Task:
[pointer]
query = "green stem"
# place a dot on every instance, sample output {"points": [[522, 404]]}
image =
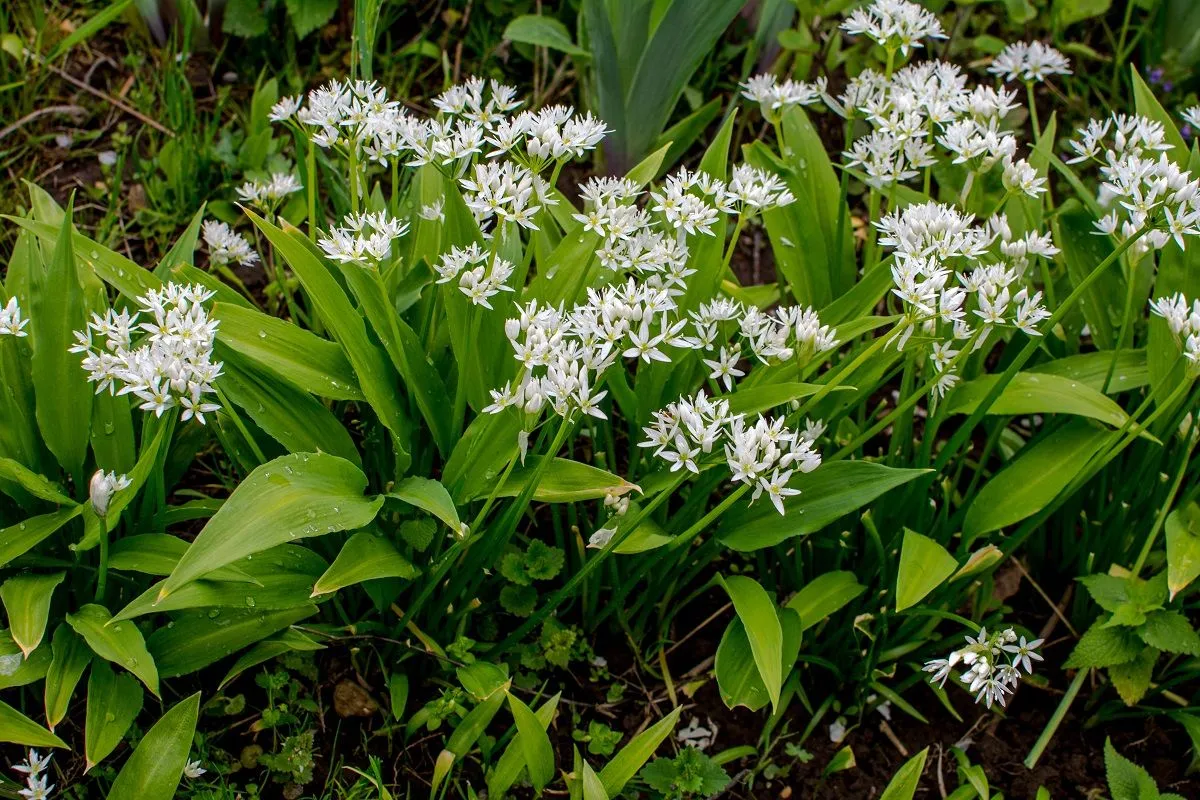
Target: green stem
{"points": [[1051, 728], [310, 162], [1126, 322], [1033, 115], [1165, 509]]}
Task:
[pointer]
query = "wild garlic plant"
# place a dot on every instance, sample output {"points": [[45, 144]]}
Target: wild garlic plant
{"points": [[990, 664]]}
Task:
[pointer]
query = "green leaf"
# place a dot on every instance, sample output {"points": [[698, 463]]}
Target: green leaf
{"points": [[593, 787], [542, 31], [757, 612], [1183, 547], [18, 671], [467, 733], [199, 638], [292, 497], [757, 399], [535, 744], [376, 378], [827, 493], [364, 557], [429, 496], [113, 703], [903, 785], [70, 657], [16, 539], [1104, 647], [90, 28], [924, 564], [295, 419], [26, 600], [1132, 679], [244, 18], [290, 640], [64, 397], [1091, 370], [1147, 104], [16, 728], [158, 554], [154, 770], [300, 357], [824, 595], [1170, 631], [1082, 250], [1033, 393], [564, 481], [120, 643], [1126, 780], [281, 577], [629, 760], [738, 678], [308, 15], [513, 760], [33, 483], [1034, 479]]}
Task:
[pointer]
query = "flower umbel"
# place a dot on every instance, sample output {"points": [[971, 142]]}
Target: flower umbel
{"points": [[990, 664]]}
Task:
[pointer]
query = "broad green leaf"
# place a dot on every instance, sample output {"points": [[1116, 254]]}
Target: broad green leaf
{"points": [[364, 557], [154, 770], [564, 481], [757, 399], [158, 554], [512, 762], [70, 657], [1034, 393], [1102, 302], [429, 496], [1171, 632], [1039, 472], [308, 15], [113, 703], [282, 577], [294, 418], [376, 378], [542, 31], [198, 638], [293, 497], [757, 612], [625, 764], [466, 733], [120, 642], [1132, 679], [903, 785], [824, 595], [16, 728], [738, 678], [290, 640], [33, 483], [829, 492], [482, 453], [18, 670], [1147, 105], [924, 564], [1091, 370], [1126, 780], [535, 744], [26, 600], [1183, 547], [593, 787], [64, 397], [683, 134], [298, 356]]}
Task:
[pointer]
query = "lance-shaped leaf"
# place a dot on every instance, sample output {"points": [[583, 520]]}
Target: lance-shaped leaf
{"points": [[564, 481], [631, 757], [429, 496], [535, 744], [364, 557], [764, 631], [16, 728], [292, 497], [1034, 393], [70, 657], [199, 638], [120, 642], [1183, 547], [16, 539], [113, 702], [154, 770], [27, 603], [30, 481], [924, 564]]}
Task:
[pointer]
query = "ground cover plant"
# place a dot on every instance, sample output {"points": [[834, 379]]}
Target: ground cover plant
{"points": [[448, 434]]}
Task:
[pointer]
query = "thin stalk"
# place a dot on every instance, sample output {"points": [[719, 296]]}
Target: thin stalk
{"points": [[1126, 323], [310, 163], [1167, 504], [1033, 115], [1060, 713]]}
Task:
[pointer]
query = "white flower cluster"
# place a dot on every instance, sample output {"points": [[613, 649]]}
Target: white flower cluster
{"points": [[37, 785], [1191, 115], [171, 365], [929, 104], [1141, 186], [895, 24], [1029, 62], [480, 274], [762, 454], [11, 321], [775, 97], [991, 664], [363, 238], [1184, 321], [226, 246], [506, 192], [102, 487], [269, 193], [358, 116], [942, 259]]}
